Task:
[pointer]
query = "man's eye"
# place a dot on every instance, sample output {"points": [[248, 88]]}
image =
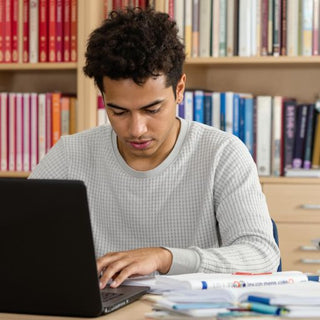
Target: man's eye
{"points": [[118, 113], [153, 111]]}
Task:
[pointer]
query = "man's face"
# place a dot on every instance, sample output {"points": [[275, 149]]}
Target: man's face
{"points": [[144, 119]]}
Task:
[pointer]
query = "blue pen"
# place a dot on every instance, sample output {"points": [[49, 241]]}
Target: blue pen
{"points": [[266, 309]]}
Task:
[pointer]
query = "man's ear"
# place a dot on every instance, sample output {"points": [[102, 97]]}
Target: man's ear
{"points": [[181, 85]]}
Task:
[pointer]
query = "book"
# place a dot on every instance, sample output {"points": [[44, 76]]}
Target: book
{"points": [[34, 31], [42, 110], [198, 109], [66, 31], [309, 137], [263, 136], [300, 136], [4, 131], [34, 130], [188, 27], [12, 131], [25, 31], [43, 31], [303, 173], [52, 30], [316, 143], [19, 132], [59, 30], [289, 128], [300, 293], [293, 26], [56, 117], [14, 31], [204, 28], [195, 29], [7, 43], [206, 281], [26, 132], [188, 105]]}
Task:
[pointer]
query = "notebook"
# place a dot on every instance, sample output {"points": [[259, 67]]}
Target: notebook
{"points": [[48, 263]]}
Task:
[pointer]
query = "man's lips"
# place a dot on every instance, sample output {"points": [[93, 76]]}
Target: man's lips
{"points": [[140, 145]]}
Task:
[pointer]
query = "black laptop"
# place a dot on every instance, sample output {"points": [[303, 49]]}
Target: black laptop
{"points": [[47, 263]]}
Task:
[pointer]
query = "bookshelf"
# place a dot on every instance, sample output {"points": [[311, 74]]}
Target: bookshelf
{"points": [[268, 75]]}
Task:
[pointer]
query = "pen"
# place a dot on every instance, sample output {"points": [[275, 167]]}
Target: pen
{"points": [[266, 309]]}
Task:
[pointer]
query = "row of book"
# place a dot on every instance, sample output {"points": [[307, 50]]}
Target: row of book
{"points": [[279, 132], [38, 31], [30, 124], [220, 28]]}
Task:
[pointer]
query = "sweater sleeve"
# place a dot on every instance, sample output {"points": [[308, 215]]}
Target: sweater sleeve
{"points": [[244, 223], [54, 164]]}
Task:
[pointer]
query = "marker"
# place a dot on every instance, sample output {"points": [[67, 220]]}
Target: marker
{"points": [[266, 309]]}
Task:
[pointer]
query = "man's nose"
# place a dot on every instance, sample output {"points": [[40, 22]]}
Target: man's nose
{"points": [[138, 125]]}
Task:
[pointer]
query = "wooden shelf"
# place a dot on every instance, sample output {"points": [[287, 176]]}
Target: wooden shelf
{"points": [[38, 66], [303, 60], [289, 180], [14, 174]]}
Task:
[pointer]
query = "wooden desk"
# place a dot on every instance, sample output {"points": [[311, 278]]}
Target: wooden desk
{"points": [[133, 311]]}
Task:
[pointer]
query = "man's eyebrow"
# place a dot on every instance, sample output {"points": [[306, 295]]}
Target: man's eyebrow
{"points": [[112, 105]]}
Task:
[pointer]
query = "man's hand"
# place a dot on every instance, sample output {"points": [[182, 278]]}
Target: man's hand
{"points": [[119, 266]]}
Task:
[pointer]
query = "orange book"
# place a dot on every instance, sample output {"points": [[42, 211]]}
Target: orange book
{"points": [[73, 115], [56, 117]]}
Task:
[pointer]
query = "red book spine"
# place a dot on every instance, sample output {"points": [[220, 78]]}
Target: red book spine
{"points": [[43, 30], [8, 31], [116, 4], [66, 31], [59, 31], [25, 36], [74, 31], [52, 31], [264, 28], [15, 13], [284, 28], [2, 3], [171, 8]]}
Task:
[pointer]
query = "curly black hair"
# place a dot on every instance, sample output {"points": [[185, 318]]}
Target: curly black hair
{"points": [[135, 44]]}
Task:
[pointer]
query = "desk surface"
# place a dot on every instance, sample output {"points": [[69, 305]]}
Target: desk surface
{"points": [[133, 311]]}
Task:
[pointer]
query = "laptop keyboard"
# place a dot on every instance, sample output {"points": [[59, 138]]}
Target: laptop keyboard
{"points": [[106, 296]]}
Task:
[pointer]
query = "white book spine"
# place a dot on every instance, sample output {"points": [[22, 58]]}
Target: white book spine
{"points": [[245, 15], [19, 132], [229, 112], [12, 132], [253, 24], [34, 129], [188, 105], [264, 116], [34, 31], [3, 128], [102, 116], [41, 125], [26, 132], [307, 10], [315, 28], [292, 25], [179, 17], [276, 135], [216, 109], [204, 28]]}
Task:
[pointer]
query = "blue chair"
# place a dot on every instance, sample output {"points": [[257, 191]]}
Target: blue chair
{"points": [[276, 238]]}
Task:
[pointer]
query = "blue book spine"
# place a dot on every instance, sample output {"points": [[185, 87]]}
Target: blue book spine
{"points": [[208, 108], [309, 137], [223, 111], [248, 124], [236, 117], [199, 106], [181, 109], [241, 118]]}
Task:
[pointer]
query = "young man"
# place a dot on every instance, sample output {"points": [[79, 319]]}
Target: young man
{"points": [[165, 194]]}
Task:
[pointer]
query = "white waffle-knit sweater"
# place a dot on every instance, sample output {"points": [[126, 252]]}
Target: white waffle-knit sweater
{"points": [[203, 202]]}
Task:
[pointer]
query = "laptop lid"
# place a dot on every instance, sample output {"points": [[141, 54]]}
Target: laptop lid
{"points": [[48, 263]]}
